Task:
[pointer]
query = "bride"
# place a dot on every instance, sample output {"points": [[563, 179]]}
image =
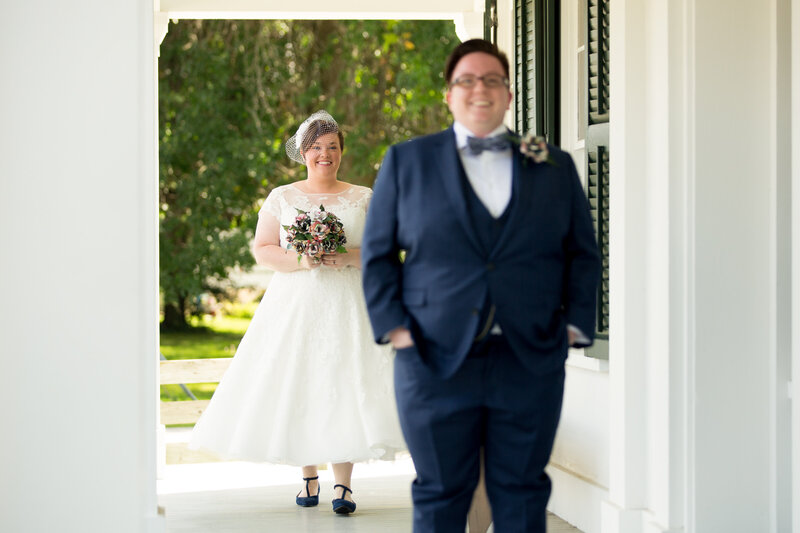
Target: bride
{"points": [[308, 385]]}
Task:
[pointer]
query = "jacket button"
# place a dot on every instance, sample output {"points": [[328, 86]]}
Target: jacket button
{"points": [[490, 266], [475, 312]]}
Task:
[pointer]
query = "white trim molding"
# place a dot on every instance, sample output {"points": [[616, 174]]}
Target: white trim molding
{"points": [[794, 385]]}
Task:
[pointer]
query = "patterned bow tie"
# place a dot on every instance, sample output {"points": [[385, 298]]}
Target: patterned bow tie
{"points": [[497, 143]]}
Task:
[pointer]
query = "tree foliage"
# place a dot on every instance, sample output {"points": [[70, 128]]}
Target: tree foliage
{"points": [[232, 92]]}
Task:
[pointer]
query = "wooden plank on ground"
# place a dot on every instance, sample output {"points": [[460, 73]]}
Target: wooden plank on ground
{"points": [[182, 412], [179, 453], [194, 370], [479, 517]]}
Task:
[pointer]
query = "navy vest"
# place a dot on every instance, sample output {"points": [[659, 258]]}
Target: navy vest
{"points": [[488, 230]]}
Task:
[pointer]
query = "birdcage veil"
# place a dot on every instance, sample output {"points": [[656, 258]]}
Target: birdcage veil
{"points": [[318, 124]]}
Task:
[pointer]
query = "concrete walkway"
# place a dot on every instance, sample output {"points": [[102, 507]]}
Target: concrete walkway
{"points": [[239, 497]]}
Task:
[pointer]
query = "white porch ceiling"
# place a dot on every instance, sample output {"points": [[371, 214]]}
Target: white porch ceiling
{"points": [[319, 9]]}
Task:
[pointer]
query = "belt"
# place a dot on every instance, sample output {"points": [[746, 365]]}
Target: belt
{"points": [[487, 327], [487, 345]]}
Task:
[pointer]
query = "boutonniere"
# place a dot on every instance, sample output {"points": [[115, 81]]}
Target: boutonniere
{"points": [[534, 147]]}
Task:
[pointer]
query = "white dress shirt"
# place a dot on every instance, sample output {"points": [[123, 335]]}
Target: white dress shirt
{"points": [[489, 173]]}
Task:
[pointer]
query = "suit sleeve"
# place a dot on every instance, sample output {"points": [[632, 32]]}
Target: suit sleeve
{"points": [[582, 262], [381, 267]]}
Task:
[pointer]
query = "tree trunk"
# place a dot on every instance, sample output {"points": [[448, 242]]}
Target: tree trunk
{"points": [[174, 317]]}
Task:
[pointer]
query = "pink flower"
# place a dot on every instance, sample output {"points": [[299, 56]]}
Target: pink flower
{"points": [[318, 229], [314, 249]]}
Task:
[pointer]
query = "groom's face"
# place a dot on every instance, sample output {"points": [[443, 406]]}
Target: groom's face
{"points": [[480, 108]]}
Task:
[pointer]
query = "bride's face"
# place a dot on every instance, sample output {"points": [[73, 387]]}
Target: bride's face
{"points": [[324, 155]]}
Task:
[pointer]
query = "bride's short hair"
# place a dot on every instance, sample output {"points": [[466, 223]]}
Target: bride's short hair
{"points": [[317, 129], [315, 126]]}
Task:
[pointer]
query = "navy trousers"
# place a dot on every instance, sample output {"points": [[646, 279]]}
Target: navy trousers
{"points": [[493, 402]]}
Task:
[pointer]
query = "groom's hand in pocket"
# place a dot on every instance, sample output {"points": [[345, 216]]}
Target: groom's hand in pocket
{"points": [[400, 338]]}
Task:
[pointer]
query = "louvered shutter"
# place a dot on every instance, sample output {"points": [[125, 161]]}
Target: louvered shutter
{"points": [[598, 61], [597, 157], [525, 74], [537, 68]]}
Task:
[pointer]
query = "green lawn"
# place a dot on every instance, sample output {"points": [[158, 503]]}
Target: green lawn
{"points": [[211, 337]]}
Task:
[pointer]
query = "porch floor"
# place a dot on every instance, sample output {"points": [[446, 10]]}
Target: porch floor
{"points": [[245, 497]]}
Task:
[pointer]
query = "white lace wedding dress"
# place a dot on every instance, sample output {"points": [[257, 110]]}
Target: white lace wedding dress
{"points": [[307, 385]]}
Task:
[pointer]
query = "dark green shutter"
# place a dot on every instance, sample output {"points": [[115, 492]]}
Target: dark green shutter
{"points": [[525, 74], [597, 156], [598, 60], [537, 88], [597, 184]]}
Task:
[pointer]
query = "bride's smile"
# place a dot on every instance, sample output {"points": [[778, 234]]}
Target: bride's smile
{"points": [[324, 155]]}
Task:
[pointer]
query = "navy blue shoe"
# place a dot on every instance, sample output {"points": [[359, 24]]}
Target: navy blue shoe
{"points": [[308, 501], [342, 506]]}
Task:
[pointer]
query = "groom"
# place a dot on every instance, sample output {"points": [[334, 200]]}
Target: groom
{"points": [[499, 277]]}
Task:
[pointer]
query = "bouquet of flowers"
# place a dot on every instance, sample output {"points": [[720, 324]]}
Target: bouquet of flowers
{"points": [[315, 233]]}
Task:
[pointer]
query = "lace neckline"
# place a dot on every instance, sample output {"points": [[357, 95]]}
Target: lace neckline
{"points": [[349, 188]]}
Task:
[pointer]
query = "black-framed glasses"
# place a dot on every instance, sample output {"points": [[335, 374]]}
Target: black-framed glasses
{"points": [[490, 81]]}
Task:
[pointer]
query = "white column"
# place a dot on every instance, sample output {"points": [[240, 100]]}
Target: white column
{"points": [[160, 29], [78, 237], [734, 365], [153, 457], [695, 375], [676, 490], [628, 283]]}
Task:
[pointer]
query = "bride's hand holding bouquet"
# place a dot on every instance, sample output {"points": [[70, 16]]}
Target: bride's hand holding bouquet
{"points": [[318, 238]]}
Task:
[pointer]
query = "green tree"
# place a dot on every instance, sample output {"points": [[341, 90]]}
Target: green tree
{"points": [[232, 92]]}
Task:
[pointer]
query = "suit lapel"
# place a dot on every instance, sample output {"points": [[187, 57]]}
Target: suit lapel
{"points": [[452, 173]]}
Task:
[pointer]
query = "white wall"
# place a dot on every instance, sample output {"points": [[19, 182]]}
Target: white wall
{"points": [[579, 466], [795, 260], [78, 272], [781, 373]]}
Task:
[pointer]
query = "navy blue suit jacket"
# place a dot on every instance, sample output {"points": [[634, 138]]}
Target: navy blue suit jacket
{"points": [[542, 273]]}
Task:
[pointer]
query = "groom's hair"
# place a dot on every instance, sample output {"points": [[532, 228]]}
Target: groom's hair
{"points": [[468, 47]]}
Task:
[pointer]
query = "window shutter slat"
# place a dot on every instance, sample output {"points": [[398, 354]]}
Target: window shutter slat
{"points": [[598, 194], [598, 44], [597, 157], [536, 67]]}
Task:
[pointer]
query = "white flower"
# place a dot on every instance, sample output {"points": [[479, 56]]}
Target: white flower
{"points": [[534, 147]]}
